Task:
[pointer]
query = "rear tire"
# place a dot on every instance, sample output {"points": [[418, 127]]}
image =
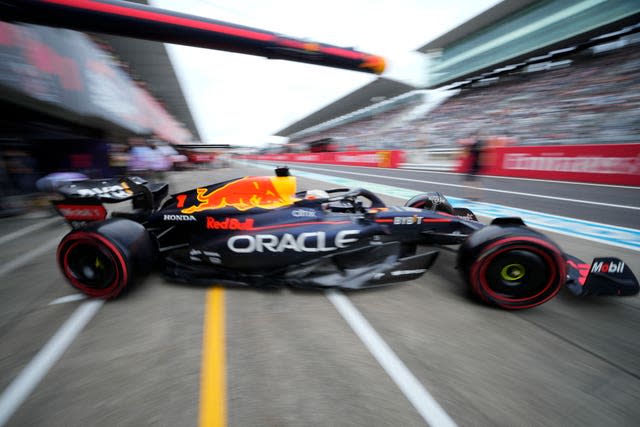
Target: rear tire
{"points": [[104, 258], [512, 267]]}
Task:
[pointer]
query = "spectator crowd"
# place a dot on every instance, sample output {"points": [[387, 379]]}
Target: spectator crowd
{"points": [[593, 96]]}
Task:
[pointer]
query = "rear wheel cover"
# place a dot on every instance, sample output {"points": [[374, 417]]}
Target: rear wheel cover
{"points": [[93, 264]]}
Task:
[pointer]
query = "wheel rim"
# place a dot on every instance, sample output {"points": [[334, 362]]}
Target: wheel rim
{"points": [[513, 272], [92, 265], [517, 274]]}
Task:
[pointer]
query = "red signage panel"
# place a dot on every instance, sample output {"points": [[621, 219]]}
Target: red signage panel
{"points": [[377, 159], [617, 164]]}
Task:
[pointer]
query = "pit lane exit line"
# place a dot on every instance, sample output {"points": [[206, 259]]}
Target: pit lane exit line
{"points": [[612, 235], [213, 406]]}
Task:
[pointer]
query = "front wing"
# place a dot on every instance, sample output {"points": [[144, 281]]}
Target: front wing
{"points": [[603, 277]]}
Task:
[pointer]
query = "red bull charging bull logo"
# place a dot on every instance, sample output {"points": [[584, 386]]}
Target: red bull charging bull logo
{"points": [[246, 193]]}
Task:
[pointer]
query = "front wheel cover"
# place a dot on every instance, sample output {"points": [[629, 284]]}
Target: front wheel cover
{"points": [[93, 264], [517, 272]]}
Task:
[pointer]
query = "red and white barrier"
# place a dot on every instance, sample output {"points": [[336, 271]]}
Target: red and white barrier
{"points": [[379, 158]]}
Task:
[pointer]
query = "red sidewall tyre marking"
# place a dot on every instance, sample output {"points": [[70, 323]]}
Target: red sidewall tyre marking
{"points": [[552, 256], [485, 265], [112, 252]]}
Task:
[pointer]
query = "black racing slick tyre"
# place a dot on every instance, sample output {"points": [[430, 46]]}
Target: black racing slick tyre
{"points": [[512, 267], [104, 258], [433, 201]]}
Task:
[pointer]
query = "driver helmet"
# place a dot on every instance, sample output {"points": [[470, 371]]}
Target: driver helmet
{"points": [[316, 194]]}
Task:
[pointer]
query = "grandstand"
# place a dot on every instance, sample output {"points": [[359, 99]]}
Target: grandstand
{"points": [[579, 87]]}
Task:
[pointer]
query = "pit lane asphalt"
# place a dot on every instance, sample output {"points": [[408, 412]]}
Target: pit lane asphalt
{"points": [[291, 359]]}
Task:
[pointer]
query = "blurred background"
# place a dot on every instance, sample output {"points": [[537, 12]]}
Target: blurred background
{"points": [[521, 73], [550, 87]]}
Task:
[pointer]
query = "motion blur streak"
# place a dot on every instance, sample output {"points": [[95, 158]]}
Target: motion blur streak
{"points": [[116, 17], [35, 371], [415, 392], [29, 256], [68, 298], [212, 376], [26, 230]]}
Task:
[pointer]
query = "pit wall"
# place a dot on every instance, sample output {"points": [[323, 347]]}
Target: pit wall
{"points": [[379, 158], [617, 164]]}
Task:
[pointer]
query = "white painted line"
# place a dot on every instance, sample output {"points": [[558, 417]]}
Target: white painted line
{"points": [[413, 390], [68, 298], [540, 196], [18, 391], [26, 230], [552, 181], [27, 257]]}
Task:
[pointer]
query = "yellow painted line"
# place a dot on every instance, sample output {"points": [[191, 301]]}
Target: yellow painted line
{"points": [[212, 374]]}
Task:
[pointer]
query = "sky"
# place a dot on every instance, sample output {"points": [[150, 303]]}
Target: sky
{"points": [[244, 100]]}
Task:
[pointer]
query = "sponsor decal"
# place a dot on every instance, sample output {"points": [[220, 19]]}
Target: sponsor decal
{"points": [[607, 267], [578, 164], [181, 199], [201, 256], [308, 213], [169, 217], [357, 158], [82, 212], [115, 191], [308, 158], [229, 224], [468, 216], [246, 193], [303, 242], [384, 159], [407, 220]]}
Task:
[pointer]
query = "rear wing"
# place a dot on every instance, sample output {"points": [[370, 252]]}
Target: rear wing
{"points": [[112, 190], [83, 200], [604, 276]]}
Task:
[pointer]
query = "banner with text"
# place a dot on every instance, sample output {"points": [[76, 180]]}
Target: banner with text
{"points": [[617, 164], [378, 159]]}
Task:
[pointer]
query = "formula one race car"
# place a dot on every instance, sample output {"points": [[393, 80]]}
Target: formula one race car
{"points": [[259, 231]]}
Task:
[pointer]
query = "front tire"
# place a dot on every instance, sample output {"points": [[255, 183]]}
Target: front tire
{"points": [[512, 267], [432, 201]]}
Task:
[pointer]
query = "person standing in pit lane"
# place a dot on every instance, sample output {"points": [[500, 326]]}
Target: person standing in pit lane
{"points": [[475, 151]]}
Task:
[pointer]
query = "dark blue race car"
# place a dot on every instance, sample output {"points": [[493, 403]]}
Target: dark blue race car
{"points": [[261, 231]]}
